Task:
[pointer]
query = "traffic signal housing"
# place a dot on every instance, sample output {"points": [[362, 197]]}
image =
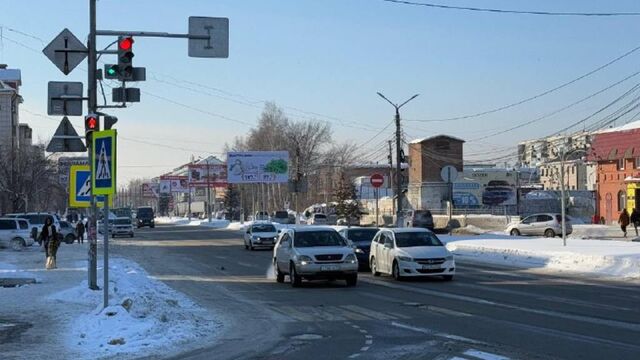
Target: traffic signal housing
{"points": [[91, 124], [124, 68]]}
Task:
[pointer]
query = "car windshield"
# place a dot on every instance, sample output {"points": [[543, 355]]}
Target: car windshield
{"points": [[361, 234], [263, 228], [318, 238], [281, 214], [410, 239], [123, 222], [423, 215], [37, 218], [145, 212], [320, 216]]}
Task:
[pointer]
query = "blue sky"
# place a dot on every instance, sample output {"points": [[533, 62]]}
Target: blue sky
{"points": [[330, 57]]}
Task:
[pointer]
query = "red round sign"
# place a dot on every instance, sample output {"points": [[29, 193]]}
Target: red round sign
{"points": [[377, 180]]}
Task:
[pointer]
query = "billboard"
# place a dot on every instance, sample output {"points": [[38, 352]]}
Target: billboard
{"points": [[150, 189], [258, 167], [485, 187], [174, 184], [213, 175]]}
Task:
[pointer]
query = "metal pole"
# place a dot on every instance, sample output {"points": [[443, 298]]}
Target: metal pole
{"points": [[208, 192], [399, 221], [105, 284], [377, 191], [562, 205], [92, 103], [390, 183]]}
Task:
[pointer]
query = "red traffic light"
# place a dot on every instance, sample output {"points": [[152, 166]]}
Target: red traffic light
{"points": [[91, 123], [125, 43]]}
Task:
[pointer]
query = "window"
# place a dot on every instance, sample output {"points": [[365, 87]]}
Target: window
{"points": [[319, 238], [410, 239], [23, 224], [622, 200], [637, 161], [7, 225], [620, 165], [544, 218]]}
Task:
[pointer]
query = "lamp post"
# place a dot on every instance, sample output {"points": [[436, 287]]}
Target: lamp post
{"points": [[563, 157], [398, 157]]}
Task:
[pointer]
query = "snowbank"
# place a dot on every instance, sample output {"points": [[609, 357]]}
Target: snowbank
{"points": [[604, 257], [145, 316], [215, 223], [165, 220]]}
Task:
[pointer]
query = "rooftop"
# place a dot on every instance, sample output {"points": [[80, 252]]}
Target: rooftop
{"points": [[418, 141]]}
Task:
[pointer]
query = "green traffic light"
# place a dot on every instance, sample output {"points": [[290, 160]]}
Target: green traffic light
{"points": [[111, 71]]}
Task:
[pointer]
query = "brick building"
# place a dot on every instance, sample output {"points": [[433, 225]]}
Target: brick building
{"points": [[617, 155]]}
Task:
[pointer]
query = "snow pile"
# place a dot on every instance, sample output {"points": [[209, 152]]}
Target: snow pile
{"points": [[166, 220], [604, 257], [215, 223], [145, 316]]}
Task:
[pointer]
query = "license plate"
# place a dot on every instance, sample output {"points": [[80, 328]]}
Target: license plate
{"points": [[329, 268], [430, 267]]}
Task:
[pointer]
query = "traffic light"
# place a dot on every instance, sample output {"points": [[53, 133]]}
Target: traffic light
{"points": [[91, 124], [111, 71], [125, 57], [109, 121]]}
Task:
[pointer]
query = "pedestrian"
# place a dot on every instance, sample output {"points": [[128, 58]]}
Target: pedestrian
{"points": [[80, 231], [623, 220], [635, 219], [49, 239]]}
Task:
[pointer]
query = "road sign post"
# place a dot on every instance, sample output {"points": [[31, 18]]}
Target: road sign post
{"points": [[376, 180], [449, 174]]}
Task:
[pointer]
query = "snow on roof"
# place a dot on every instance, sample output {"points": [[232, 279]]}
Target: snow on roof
{"points": [[628, 126], [418, 141]]}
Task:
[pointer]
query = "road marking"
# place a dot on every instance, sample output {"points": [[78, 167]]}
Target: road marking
{"points": [[353, 356], [368, 342], [364, 348], [597, 321], [246, 264], [298, 315], [436, 333], [445, 311], [484, 355], [370, 313]]}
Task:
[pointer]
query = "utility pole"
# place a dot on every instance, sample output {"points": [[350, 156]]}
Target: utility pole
{"points": [[389, 184], [208, 191], [298, 176], [399, 193], [92, 104]]}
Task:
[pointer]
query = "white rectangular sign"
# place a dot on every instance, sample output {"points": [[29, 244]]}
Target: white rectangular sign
{"points": [[253, 167]]}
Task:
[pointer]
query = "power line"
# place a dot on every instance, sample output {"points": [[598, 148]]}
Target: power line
{"points": [[520, 102], [505, 11]]}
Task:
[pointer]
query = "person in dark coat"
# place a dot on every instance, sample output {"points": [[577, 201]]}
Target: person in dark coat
{"points": [[635, 219], [623, 220], [80, 231], [50, 241]]}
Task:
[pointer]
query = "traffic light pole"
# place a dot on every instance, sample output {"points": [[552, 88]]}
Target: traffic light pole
{"points": [[92, 104]]}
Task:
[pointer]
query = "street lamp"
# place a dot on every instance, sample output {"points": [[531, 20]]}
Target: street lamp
{"points": [[563, 157], [399, 193]]}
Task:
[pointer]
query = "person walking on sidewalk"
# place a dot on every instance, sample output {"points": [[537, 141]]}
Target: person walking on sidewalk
{"points": [[49, 238], [80, 231], [623, 220], [635, 219]]}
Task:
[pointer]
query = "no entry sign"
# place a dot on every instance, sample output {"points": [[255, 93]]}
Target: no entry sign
{"points": [[377, 180]]}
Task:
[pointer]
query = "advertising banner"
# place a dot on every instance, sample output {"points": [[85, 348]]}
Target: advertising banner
{"points": [[150, 189], [174, 184], [213, 175], [485, 187], [258, 167]]}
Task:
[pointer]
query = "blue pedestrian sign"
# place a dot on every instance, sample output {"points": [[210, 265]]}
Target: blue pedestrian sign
{"points": [[103, 155], [80, 187]]}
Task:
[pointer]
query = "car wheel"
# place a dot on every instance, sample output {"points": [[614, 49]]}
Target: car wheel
{"points": [[515, 232], [18, 244], [296, 280], [131, 235], [396, 271], [447, 277], [69, 239], [246, 247], [374, 267], [549, 233], [251, 246], [352, 280], [279, 274]]}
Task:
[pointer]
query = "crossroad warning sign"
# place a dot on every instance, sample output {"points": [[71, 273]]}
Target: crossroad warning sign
{"points": [[80, 187], [104, 162]]}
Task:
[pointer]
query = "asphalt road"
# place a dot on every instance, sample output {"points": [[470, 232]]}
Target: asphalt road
{"points": [[485, 313]]}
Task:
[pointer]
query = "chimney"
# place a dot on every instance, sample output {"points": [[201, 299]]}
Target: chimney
{"points": [[3, 66]]}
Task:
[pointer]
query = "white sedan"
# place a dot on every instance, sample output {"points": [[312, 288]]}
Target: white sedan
{"points": [[410, 252], [260, 234]]}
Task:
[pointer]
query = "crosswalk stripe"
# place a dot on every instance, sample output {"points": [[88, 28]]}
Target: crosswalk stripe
{"points": [[349, 314], [370, 313], [298, 315], [323, 313]]}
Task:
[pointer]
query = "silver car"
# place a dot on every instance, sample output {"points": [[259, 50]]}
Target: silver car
{"points": [[15, 233], [547, 225], [67, 232], [314, 253]]}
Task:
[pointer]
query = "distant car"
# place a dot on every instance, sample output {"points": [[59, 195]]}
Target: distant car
{"points": [[410, 252], [261, 216], [422, 219], [497, 192], [280, 217], [360, 238], [145, 217], [15, 233], [122, 226], [547, 225], [314, 253], [37, 219], [260, 235], [317, 219], [67, 232]]}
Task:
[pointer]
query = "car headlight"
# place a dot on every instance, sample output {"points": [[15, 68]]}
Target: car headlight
{"points": [[254, 237], [304, 260], [405, 258], [351, 258], [449, 257], [358, 251]]}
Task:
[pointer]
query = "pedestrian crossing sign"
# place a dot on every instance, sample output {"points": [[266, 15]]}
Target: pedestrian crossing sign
{"points": [[103, 156], [80, 187]]}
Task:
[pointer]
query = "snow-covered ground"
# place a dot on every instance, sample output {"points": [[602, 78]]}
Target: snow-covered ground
{"points": [[603, 257], [215, 223], [145, 316]]}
